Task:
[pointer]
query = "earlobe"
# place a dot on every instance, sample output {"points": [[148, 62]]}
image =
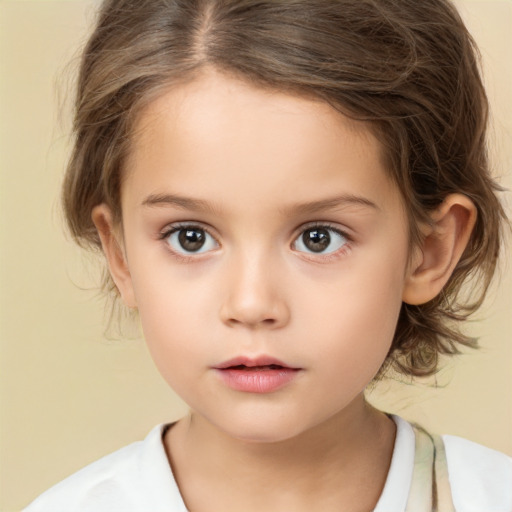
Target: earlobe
{"points": [[114, 253], [442, 247]]}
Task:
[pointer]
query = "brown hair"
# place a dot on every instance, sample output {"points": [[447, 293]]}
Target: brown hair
{"points": [[409, 68]]}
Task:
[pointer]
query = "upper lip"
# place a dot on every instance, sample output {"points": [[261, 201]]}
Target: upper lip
{"points": [[252, 361]]}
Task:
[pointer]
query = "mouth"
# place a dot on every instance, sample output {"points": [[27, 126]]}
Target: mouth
{"points": [[260, 375], [259, 368], [254, 364]]}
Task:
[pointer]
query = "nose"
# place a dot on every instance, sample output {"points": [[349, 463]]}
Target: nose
{"points": [[255, 296]]}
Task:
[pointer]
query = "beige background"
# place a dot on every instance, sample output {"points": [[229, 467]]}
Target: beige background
{"points": [[67, 394]]}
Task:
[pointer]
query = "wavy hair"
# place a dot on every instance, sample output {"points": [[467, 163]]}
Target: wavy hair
{"points": [[409, 68]]}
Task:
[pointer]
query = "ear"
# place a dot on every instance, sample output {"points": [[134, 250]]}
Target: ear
{"points": [[114, 253], [442, 247]]}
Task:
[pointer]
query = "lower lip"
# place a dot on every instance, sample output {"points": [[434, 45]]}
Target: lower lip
{"points": [[257, 381]]}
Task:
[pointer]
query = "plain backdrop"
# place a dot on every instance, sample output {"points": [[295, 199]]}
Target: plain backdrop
{"points": [[68, 394]]}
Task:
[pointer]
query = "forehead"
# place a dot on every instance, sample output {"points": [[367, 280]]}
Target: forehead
{"points": [[216, 135], [214, 102]]}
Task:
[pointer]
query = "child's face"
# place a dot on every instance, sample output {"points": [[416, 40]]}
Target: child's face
{"points": [[296, 249]]}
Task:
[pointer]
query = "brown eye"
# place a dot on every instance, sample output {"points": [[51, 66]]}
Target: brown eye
{"points": [[320, 240], [316, 240], [190, 239]]}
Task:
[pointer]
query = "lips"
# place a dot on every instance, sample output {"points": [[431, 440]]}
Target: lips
{"points": [[256, 368], [251, 363], [256, 375]]}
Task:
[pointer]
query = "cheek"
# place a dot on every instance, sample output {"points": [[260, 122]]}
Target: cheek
{"points": [[359, 342], [168, 311], [358, 313], [170, 324], [169, 305]]}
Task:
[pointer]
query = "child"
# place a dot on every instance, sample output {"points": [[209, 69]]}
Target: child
{"points": [[291, 195]]}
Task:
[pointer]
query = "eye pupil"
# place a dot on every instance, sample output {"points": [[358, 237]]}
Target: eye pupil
{"points": [[316, 240], [191, 239]]}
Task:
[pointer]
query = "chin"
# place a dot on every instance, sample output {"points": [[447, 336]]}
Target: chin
{"points": [[259, 429]]}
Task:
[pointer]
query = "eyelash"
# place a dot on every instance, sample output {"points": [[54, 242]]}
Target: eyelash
{"points": [[174, 228], [330, 227], [170, 230]]}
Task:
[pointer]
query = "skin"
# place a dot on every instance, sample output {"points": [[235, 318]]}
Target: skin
{"points": [[255, 162]]}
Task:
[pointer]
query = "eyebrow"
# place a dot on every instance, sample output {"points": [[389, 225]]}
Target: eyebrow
{"points": [[310, 207], [331, 203], [185, 203]]}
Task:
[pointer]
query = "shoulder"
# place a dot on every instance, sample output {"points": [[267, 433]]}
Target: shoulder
{"points": [[136, 477], [106, 481], [480, 478]]}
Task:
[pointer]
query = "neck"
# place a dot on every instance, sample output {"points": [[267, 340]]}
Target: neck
{"points": [[343, 460]]}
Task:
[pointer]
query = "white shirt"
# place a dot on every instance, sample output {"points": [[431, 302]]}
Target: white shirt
{"points": [[138, 478]]}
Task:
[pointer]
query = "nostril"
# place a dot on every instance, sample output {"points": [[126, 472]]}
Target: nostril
{"points": [[269, 322], [254, 310]]}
